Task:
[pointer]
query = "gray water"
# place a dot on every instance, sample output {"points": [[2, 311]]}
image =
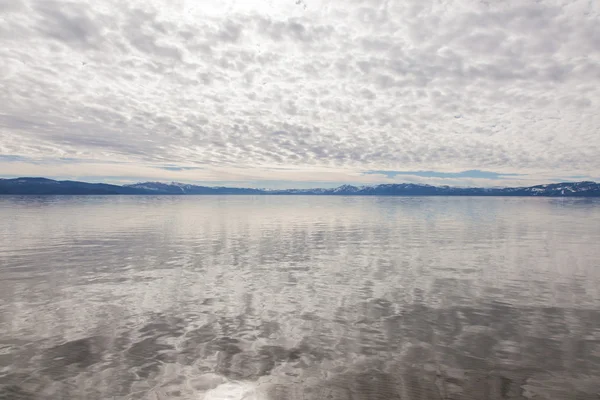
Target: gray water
{"points": [[332, 298]]}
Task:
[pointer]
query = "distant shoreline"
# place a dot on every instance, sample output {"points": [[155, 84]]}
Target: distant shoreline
{"points": [[44, 186]]}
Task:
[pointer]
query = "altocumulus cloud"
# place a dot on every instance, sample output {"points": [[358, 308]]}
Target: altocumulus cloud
{"points": [[309, 91]]}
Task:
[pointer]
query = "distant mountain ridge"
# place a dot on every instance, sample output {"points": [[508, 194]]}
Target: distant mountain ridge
{"points": [[567, 189], [184, 188], [44, 186]]}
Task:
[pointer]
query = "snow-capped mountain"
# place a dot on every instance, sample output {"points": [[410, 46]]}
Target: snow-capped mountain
{"points": [[563, 189], [49, 186], [347, 189], [160, 187], [568, 189], [184, 188]]}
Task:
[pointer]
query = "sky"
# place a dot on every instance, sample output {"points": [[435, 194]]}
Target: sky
{"points": [[298, 93]]}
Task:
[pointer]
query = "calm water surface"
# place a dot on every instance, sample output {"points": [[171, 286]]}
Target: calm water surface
{"points": [[299, 298]]}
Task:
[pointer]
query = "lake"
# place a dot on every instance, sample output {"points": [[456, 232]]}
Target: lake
{"points": [[299, 297]]}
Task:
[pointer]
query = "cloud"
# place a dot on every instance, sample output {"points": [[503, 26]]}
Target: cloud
{"points": [[435, 174], [367, 85]]}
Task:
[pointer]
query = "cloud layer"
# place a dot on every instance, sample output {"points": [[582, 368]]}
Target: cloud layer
{"points": [[299, 90]]}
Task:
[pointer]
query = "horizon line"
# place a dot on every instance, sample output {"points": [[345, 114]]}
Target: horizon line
{"points": [[296, 188]]}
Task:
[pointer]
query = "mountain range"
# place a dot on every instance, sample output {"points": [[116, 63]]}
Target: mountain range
{"points": [[44, 186]]}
